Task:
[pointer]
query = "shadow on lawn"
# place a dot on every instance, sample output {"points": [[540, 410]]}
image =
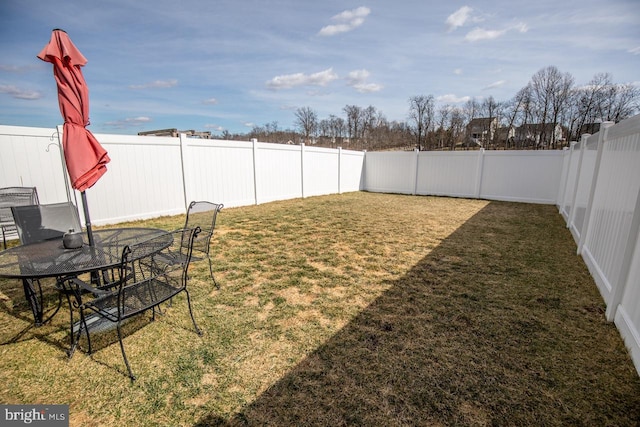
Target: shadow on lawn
{"points": [[501, 324]]}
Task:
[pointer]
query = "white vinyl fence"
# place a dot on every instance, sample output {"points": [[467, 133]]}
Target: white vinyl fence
{"points": [[155, 176], [595, 184], [601, 204], [517, 176]]}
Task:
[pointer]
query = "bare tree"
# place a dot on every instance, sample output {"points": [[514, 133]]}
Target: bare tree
{"points": [[369, 118], [443, 126], [491, 109], [518, 107], [620, 103], [421, 114], [458, 129], [354, 119], [307, 122], [589, 98]]}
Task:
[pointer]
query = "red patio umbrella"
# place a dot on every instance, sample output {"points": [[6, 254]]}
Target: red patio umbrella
{"points": [[85, 158]]}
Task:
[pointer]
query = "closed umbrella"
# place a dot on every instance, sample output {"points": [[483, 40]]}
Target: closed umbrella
{"points": [[85, 158]]}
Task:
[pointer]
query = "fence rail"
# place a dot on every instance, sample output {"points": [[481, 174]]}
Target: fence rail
{"points": [[595, 185]]}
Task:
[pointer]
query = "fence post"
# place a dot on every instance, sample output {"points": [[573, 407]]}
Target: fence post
{"points": [[574, 193], [563, 200], [302, 168], [363, 179], [480, 173], [254, 147], [182, 138], [565, 177], [594, 180], [339, 170], [415, 181]]}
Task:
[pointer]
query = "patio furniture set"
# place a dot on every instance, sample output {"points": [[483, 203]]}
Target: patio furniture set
{"points": [[126, 272]]}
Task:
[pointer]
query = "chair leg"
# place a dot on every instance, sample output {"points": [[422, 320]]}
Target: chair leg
{"points": [[124, 354], [74, 338], [211, 273], [195, 325]]}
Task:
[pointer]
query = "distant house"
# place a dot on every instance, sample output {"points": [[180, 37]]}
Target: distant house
{"points": [[506, 135], [482, 130], [538, 135], [590, 128], [175, 133]]}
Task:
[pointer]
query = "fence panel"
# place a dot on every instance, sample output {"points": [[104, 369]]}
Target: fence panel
{"points": [[321, 171], [219, 171], [448, 173], [31, 157], [144, 179], [278, 172], [530, 176], [390, 172], [351, 170], [585, 173], [627, 316]]}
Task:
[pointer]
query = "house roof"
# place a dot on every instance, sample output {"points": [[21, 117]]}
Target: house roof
{"points": [[481, 121]]}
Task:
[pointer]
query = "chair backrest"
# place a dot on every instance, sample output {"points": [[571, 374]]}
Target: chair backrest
{"points": [[36, 223], [148, 276], [202, 214], [15, 196]]}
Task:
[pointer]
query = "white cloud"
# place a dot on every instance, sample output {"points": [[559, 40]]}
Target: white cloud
{"points": [[346, 21], [129, 122], [288, 81], [210, 101], [521, 27], [357, 80], [495, 84], [483, 34], [457, 71], [635, 50], [158, 84], [458, 18], [18, 93], [216, 128], [452, 99]]}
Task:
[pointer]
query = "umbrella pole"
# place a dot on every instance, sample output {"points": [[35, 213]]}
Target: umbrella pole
{"points": [[87, 220]]}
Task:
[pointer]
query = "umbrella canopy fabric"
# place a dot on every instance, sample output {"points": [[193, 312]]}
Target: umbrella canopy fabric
{"points": [[86, 159]]}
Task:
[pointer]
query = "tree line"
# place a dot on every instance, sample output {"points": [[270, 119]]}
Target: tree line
{"points": [[548, 113]]}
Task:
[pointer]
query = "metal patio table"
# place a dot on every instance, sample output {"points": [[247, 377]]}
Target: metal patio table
{"points": [[51, 259]]}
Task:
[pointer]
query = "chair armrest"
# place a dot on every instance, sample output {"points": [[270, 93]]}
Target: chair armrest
{"points": [[81, 284]]}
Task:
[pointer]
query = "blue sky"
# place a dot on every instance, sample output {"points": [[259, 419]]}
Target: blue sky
{"points": [[232, 64]]}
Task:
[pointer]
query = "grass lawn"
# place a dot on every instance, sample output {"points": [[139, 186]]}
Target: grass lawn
{"points": [[354, 309]]}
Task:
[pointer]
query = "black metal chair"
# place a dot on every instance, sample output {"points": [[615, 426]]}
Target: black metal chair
{"points": [[203, 214], [14, 196], [36, 223], [148, 281]]}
